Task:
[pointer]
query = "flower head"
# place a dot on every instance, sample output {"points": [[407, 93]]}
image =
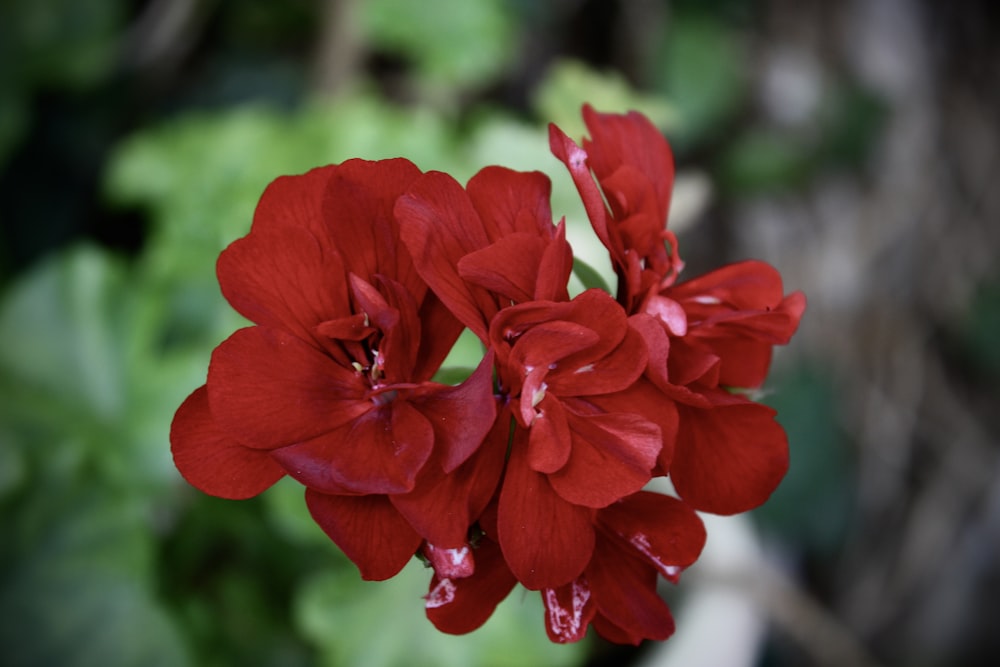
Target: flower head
{"points": [[359, 277], [706, 335], [333, 383]]}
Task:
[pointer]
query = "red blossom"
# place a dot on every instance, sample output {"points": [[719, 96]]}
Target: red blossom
{"points": [[703, 335], [332, 384], [560, 364], [628, 205], [637, 539], [358, 278]]}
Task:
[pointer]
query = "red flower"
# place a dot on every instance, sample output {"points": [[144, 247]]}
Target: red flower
{"points": [[635, 169], [332, 385], [358, 279], [636, 539], [734, 316], [715, 331], [486, 246], [575, 447], [493, 255]]}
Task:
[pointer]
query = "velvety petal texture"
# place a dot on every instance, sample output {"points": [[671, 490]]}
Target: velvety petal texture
{"points": [[729, 459], [483, 247], [212, 461], [368, 529], [546, 540]]}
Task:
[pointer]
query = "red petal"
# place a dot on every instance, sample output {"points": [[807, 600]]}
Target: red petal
{"points": [[284, 279], [743, 362], [728, 459], [351, 327], [294, 202], [442, 506], [311, 462], [358, 207], [439, 331], [575, 159], [213, 462], [630, 139], [644, 400], [659, 368], [546, 541], [613, 456], [748, 285], [395, 315], [555, 269], [381, 451], [511, 201], [462, 605], [639, 219], [509, 267], [669, 312], [368, 529], [439, 226], [614, 371], [269, 389], [550, 442], [461, 415], [692, 362], [450, 563], [666, 531], [568, 611], [612, 633], [657, 347], [550, 342], [623, 587]]}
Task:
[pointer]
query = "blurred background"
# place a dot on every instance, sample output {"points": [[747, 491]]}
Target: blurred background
{"points": [[853, 145]]}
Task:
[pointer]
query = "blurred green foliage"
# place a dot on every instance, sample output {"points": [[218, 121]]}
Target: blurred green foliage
{"points": [[472, 43], [702, 72]]}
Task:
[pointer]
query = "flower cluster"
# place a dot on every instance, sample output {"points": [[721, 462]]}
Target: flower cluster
{"points": [[359, 277]]}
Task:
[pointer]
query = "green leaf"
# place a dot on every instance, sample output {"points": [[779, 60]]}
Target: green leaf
{"points": [[82, 383], [701, 70], [382, 624], [13, 468], [452, 42], [462, 360], [60, 333], [76, 589], [589, 276]]}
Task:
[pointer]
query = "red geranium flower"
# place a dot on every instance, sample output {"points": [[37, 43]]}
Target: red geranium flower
{"points": [[333, 384], [359, 277], [494, 256], [712, 332], [634, 166], [637, 539], [559, 363]]}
